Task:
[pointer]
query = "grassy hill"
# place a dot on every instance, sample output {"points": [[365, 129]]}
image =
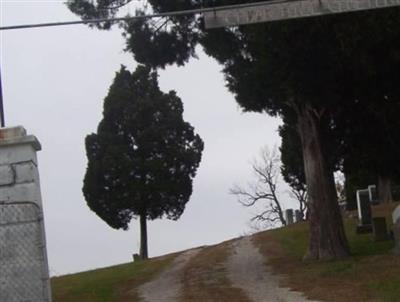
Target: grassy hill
{"points": [[117, 283], [372, 274]]}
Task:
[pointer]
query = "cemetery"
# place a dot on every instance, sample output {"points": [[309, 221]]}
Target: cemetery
{"points": [[379, 219], [326, 70], [374, 216]]}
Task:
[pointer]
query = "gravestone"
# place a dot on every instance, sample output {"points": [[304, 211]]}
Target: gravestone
{"points": [[380, 230], [289, 216], [396, 192], [373, 196], [364, 211], [24, 274], [396, 229], [298, 216]]}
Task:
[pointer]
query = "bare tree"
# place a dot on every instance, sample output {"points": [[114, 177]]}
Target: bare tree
{"points": [[267, 176]]}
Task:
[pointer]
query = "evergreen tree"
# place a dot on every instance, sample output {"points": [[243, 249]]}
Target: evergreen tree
{"points": [[307, 69], [371, 138], [292, 168], [143, 158]]}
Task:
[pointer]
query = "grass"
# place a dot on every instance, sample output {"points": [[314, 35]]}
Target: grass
{"points": [[371, 274], [117, 283], [205, 278]]}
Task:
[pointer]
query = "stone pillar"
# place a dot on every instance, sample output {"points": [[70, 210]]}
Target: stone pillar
{"points": [[24, 274], [289, 216]]}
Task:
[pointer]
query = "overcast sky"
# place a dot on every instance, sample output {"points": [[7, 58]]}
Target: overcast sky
{"points": [[54, 82]]}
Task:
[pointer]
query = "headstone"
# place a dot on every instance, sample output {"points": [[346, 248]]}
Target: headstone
{"points": [[364, 212], [396, 193], [289, 216], [136, 257], [24, 274], [379, 228], [298, 216], [396, 229], [364, 207], [373, 196]]}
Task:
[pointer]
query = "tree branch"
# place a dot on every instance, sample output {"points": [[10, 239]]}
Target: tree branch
{"points": [[265, 187]]}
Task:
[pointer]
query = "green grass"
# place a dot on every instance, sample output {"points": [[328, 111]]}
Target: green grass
{"points": [[117, 283], [371, 274], [389, 290], [294, 240]]}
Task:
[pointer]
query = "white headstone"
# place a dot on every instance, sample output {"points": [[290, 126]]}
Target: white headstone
{"points": [[396, 229], [396, 215], [364, 206], [373, 197]]}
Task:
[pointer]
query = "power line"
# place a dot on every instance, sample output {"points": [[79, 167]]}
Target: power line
{"points": [[158, 15], [143, 17]]}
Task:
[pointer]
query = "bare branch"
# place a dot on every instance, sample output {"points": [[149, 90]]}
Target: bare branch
{"points": [[267, 174], [249, 199]]}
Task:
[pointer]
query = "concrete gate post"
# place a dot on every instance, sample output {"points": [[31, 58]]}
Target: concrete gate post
{"points": [[24, 273]]}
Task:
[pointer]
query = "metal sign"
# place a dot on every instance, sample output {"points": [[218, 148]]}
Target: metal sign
{"points": [[273, 11]]}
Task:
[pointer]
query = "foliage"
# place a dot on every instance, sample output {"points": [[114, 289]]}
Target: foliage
{"points": [[292, 168], [269, 66], [312, 71], [371, 139], [144, 155], [292, 157]]}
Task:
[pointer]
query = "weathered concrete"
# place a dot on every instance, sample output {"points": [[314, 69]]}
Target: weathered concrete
{"points": [[23, 259]]}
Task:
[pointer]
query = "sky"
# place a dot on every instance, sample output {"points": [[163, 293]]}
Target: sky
{"points": [[54, 82]]}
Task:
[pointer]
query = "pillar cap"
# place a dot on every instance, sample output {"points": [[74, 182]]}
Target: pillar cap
{"points": [[17, 135]]}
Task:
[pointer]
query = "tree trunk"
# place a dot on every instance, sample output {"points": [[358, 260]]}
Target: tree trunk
{"points": [[327, 239], [279, 209], [143, 237], [385, 189]]}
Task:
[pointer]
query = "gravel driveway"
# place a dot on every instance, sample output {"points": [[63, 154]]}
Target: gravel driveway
{"points": [[167, 286], [246, 270]]}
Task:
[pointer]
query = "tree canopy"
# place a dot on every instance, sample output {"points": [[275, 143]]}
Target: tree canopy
{"points": [[143, 158], [313, 70]]}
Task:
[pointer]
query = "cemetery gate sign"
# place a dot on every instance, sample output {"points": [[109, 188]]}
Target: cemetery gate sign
{"points": [[268, 11]]}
